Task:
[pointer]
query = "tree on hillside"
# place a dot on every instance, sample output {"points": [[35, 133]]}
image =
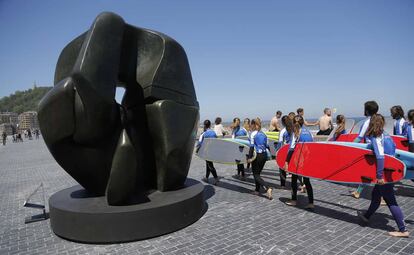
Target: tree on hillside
{"points": [[23, 101]]}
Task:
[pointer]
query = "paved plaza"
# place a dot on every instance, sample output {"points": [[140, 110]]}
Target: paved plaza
{"points": [[236, 222]]}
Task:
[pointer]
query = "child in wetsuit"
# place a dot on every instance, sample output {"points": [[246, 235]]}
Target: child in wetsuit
{"points": [[284, 138], [340, 127], [258, 143], [409, 130], [370, 108], [237, 132], [299, 134], [383, 144], [397, 113], [246, 126], [208, 133]]}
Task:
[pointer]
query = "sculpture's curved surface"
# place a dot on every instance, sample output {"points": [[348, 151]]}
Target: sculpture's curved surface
{"points": [[143, 144]]}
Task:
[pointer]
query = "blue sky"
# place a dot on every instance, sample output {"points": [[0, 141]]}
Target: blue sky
{"points": [[248, 58]]}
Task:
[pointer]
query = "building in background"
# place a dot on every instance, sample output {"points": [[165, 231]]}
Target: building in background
{"points": [[10, 129], [9, 117], [28, 120]]}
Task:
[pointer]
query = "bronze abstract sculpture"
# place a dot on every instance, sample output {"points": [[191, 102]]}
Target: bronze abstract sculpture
{"points": [[119, 152]]}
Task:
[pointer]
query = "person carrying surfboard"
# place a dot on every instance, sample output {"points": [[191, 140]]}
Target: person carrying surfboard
{"points": [[299, 134], [409, 130], [258, 143], [382, 144], [284, 138], [370, 108], [397, 113], [246, 126], [238, 131], [208, 133]]}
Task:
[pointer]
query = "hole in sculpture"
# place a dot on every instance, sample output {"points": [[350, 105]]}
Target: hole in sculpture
{"points": [[119, 94]]}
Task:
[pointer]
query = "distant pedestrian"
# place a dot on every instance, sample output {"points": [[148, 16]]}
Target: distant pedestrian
{"points": [[19, 137], [4, 136]]}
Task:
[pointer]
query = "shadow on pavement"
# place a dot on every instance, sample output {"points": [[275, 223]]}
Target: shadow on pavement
{"points": [[377, 221], [209, 191]]}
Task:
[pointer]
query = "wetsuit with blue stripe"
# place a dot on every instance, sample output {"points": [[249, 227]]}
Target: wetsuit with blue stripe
{"points": [[284, 138], [209, 165], [409, 133], [236, 133], [335, 137], [361, 137], [305, 136], [363, 130], [384, 145], [258, 142], [239, 132], [399, 127]]}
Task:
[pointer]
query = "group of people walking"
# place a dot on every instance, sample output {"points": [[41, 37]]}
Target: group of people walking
{"points": [[16, 138], [292, 130]]}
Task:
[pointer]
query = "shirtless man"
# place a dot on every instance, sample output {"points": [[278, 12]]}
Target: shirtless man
{"points": [[275, 125], [301, 112], [325, 123]]}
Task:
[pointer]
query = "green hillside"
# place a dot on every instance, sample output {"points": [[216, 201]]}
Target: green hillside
{"points": [[22, 101]]}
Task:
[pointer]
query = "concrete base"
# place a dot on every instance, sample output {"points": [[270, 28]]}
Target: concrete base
{"points": [[80, 217]]}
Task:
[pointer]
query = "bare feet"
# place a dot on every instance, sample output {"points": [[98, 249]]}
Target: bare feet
{"points": [[303, 189], [383, 201], [291, 203], [399, 234], [355, 194], [269, 194]]}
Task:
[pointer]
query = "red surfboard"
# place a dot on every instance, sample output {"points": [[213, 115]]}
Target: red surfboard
{"points": [[401, 142], [338, 163]]}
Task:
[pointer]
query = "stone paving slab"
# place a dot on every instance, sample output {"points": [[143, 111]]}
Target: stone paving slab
{"points": [[236, 222]]}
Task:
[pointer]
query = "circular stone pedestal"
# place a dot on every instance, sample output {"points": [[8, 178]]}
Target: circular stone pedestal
{"points": [[77, 216]]}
